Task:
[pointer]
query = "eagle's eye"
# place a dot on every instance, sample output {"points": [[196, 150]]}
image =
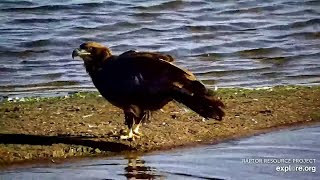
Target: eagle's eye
{"points": [[87, 48]]}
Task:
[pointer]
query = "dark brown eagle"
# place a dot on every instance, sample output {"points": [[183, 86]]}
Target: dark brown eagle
{"points": [[140, 82]]}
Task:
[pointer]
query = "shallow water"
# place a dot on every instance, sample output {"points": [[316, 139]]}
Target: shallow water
{"points": [[235, 43], [228, 160]]}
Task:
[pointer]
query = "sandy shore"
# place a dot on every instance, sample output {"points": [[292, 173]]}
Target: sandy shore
{"points": [[84, 124]]}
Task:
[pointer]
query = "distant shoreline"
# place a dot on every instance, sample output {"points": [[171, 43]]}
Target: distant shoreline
{"points": [[85, 125]]}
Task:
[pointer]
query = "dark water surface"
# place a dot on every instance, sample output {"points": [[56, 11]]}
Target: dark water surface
{"points": [[238, 43], [228, 160]]}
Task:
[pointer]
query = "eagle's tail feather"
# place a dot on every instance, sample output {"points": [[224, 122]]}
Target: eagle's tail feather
{"points": [[205, 104]]}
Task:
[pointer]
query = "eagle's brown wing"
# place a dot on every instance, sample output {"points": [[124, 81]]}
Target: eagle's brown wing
{"points": [[152, 55], [147, 78]]}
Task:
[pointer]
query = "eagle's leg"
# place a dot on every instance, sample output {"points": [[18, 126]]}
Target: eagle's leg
{"points": [[130, 122], [145, 117], [136, 129]]}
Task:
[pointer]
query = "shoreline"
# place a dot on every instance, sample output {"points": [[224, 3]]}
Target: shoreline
{"points": [[58, 161], [85, 125]]}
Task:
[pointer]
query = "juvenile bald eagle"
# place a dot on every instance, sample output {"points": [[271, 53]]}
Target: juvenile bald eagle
{"points": [[139, 82]]}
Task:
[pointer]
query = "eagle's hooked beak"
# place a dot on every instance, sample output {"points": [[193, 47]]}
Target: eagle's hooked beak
{"points": [[80, 52]]}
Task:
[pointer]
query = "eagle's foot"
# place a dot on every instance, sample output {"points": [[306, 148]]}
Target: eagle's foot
{"points": [[131, 136], [137, 133], [127, 137], [136, 130]]}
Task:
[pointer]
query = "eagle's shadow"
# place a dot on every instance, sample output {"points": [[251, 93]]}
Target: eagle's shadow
{"points": [[71, 140]]}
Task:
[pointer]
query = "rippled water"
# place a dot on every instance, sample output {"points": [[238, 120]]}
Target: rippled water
{"points": [[237, 43], [221, 161]]}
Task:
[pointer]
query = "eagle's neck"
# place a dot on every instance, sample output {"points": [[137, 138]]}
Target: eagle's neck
{"points": [[94, 66]]}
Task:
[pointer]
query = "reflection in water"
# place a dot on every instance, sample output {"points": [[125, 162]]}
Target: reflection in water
{"points": [[137, 169]]}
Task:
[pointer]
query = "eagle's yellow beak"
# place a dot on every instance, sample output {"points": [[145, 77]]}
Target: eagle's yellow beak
{"points": [[80, 52]]}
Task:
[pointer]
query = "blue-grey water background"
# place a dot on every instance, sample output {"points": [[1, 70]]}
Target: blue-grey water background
{"points": [[221, 161], [235, 43]]}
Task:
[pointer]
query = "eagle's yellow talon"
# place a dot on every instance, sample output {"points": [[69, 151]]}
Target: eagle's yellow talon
{"points": [[136, 133], [126, 137]]}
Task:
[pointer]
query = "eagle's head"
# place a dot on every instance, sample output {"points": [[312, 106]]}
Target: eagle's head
{"points": [[92, 52]]}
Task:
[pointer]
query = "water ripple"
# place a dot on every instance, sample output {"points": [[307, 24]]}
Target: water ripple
{"points": [[230, 43]]}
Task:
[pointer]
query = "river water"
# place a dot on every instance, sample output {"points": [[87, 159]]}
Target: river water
{"points": [[235, 43], [287, 154]]}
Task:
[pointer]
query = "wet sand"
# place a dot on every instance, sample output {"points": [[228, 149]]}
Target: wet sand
{"points": [[84, 124]]}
